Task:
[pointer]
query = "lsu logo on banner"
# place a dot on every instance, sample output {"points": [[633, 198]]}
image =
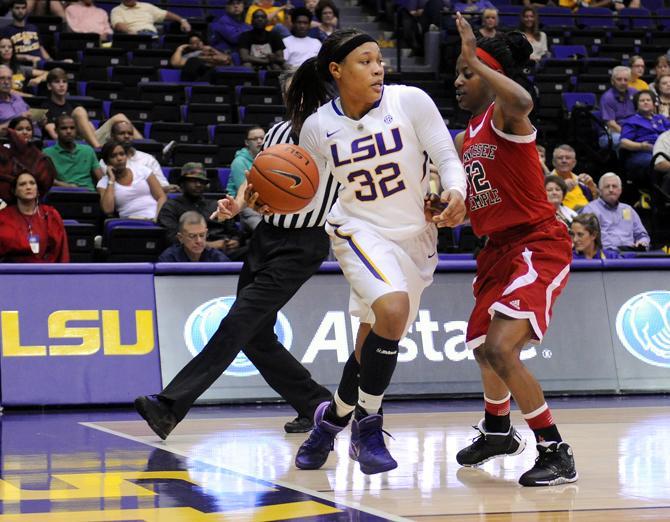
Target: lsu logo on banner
{"points": [[204, 321], [66, 325], [643, 327]]}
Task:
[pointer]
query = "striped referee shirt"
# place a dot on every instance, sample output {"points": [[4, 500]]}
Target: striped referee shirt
{"points": [[323, 200]]}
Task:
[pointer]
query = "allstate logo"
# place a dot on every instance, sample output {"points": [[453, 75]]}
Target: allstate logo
{"points": [[643, 326], [204, 321]]}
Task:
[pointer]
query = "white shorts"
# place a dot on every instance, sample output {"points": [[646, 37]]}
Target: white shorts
{"points": [[375, 265]]}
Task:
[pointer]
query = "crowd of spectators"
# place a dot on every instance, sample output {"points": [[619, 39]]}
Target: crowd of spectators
{"points": [[84, 152]]}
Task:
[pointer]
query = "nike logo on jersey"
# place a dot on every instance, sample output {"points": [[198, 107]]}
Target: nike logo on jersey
{"points": [[475, 131], [297, 180], [329, 134], [432, 255]]}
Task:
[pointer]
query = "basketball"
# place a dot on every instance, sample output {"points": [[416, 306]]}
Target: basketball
{"points": [[285, 177]]}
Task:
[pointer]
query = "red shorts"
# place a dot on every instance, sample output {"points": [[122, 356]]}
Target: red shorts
{"points": [[520, 275]]}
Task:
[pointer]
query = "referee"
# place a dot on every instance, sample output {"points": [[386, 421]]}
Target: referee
{"points": [[284, 252]]}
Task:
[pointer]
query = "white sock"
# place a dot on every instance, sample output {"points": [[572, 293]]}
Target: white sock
{"points": [[370, 403], [342, 409]]}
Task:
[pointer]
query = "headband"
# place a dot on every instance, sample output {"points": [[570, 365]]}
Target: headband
{"points": [[489, 60], [350, 45]]}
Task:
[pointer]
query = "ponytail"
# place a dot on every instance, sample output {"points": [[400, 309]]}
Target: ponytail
{"points": [[307, 92]]}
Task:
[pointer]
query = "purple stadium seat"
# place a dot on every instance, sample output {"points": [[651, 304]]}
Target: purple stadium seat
{"points": [[663, 18], [595, 17], [169, 75], [636, 18], [570, 99], [551, 16], [568, 51]]}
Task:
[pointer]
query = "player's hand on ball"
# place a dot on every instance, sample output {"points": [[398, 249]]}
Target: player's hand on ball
{"points": [[432, 206], [226, 208], [251, 198], [454, 213]]}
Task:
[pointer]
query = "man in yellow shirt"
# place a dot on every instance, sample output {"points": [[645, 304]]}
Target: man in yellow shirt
{"points": [[278, 20], [581, 188]]}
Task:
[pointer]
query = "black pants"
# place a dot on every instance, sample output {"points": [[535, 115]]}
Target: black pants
{"points": [[279, 261]]}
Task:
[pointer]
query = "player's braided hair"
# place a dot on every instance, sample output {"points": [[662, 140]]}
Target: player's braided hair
{"points": [[312, 84], [512, 50]]}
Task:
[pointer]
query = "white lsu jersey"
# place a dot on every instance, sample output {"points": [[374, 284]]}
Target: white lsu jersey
{"points": [[381, 161]]}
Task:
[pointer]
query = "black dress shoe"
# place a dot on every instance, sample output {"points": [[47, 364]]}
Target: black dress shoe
{"points": [[157, 414], [299, 425]]}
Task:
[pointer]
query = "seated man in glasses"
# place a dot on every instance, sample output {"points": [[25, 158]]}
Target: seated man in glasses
{"points": [[222, 236]]}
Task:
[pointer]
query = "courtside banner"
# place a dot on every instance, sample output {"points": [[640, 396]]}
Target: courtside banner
{"points": [[639, 308], [78, 336], [317, 329]]}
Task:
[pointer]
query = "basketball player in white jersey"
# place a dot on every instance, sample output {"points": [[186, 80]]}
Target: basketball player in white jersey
{"points": [[376, 140]]}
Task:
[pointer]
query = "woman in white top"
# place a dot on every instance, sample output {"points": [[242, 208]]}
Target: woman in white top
{"points": [[131, 193], [530, 27], [556, 190], [376, 141]]}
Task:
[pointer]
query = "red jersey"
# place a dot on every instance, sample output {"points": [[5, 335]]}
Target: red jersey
{"points": [[505, 179]]}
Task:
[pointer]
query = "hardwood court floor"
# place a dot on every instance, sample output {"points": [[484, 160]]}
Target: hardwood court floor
{"points": [[621, 454]]}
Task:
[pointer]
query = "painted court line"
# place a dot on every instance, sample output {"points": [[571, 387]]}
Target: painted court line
{"points": [[323, 496]]}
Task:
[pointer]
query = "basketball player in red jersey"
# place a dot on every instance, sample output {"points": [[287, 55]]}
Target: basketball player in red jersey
{"points": [[526, 261]]}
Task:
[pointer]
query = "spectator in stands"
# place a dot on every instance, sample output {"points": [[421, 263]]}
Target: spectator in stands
{"points": [[577, 4], [135, 17], [636, 73], [542, 152], [260, 48], [22, 154], [638, 135], [123, 132], [197, 60], [581, 188], [299, 47], [244, 157], [489, 27], [275, 15], [25, 36], [132, 193], [538, 3], [662, 161], [22, 74], [30, 232], [530, 27], [192, 246], [620, 224], [557, 189], [48, 7], [84, 17], [661, 67], [57, 104], [23, 127], [11, 104], [76, 163], [616, 104], [662, 89], [473, 6], [226, 30], [587, 240], [327, 19], [618, 5], [223, 236]]}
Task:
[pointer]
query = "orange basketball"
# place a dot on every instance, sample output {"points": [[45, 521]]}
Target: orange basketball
{"points": [[285, 177]]}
